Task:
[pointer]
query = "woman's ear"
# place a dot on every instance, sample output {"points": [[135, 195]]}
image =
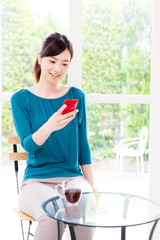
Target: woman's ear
{"points": [[39, 58]]}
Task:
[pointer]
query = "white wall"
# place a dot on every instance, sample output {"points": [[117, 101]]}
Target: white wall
{"points": [[154, 163]]}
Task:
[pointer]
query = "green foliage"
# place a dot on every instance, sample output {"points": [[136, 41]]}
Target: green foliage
{"points": [[48, 25], [101, 53], [136, 68], [7, 122], [18, 33]]}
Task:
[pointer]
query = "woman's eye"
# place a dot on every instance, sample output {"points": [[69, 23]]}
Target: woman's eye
{"points": [[66, 65], [52, 61]]}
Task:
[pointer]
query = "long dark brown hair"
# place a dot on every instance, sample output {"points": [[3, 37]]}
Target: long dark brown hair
{"points": [[53, 45]]}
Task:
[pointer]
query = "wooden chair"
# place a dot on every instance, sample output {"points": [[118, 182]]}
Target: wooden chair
{"points": [[16, 156]]}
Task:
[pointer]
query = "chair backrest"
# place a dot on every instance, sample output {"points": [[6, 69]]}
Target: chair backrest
{"points": [[143, 138], [16, 156]]}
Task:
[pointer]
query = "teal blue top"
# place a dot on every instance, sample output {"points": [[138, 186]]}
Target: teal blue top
{"points": [[66, 149]]}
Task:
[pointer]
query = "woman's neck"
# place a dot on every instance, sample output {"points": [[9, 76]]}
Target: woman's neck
{"points": [[46, 91], [48, 88]]}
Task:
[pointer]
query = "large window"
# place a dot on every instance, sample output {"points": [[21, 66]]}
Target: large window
{"points": [[116, 37], [116, 54], [115, 60]]}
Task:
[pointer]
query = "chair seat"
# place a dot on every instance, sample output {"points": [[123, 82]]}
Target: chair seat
{"points": [[23, 216], [129, 152]]}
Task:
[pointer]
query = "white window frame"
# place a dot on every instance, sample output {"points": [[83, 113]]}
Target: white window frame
{"points": [[153, 99]]}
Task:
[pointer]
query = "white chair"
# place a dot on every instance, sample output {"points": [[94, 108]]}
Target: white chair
{"points": [[132, 147]]}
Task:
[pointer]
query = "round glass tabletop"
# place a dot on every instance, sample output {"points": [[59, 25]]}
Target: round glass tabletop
{"points": [[103, 210]]}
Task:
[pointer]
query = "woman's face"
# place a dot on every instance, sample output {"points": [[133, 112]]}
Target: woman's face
{"points": [[53, 68]]}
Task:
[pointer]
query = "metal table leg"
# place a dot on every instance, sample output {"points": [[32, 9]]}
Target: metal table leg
{"points": [[152, 230], [59, 226], [123, 233], [72, 232]]}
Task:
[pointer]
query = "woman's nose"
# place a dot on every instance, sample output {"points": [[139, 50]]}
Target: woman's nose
{"points": [[57, 67]]}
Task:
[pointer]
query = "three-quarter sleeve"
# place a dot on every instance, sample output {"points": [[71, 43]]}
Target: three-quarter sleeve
{"points": [[84, 149], [22, 124]]}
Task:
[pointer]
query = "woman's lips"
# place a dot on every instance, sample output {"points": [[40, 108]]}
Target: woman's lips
{"points": [[54, 75]]}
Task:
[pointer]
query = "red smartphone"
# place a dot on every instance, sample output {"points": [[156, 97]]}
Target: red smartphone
{"points": [[71, 105]]}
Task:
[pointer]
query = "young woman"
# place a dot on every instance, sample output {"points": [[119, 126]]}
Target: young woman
{"points": [[56, 143]]}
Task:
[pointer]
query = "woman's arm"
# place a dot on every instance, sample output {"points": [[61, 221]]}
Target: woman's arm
{"points": [[87, 172], [85, 153], [55, 122], [32, 141]]}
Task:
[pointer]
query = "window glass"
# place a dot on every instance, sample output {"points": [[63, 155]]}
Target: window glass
{"points": [[8, 129], [108, 124], [25, 23], [116, 46]]}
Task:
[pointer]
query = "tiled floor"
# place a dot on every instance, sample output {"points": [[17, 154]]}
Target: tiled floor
{"points": [[105, 179]]}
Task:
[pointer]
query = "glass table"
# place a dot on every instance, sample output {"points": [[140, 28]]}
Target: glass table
{"points": [[103, 209]]}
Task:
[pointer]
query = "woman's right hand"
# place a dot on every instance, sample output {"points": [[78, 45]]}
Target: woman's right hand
{"points": [[58, 121], [55, 122]]}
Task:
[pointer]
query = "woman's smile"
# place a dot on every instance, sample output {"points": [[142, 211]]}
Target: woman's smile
{"points": [[55, 76]]}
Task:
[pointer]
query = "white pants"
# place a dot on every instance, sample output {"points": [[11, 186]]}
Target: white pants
{"points": [[34, 192]]}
